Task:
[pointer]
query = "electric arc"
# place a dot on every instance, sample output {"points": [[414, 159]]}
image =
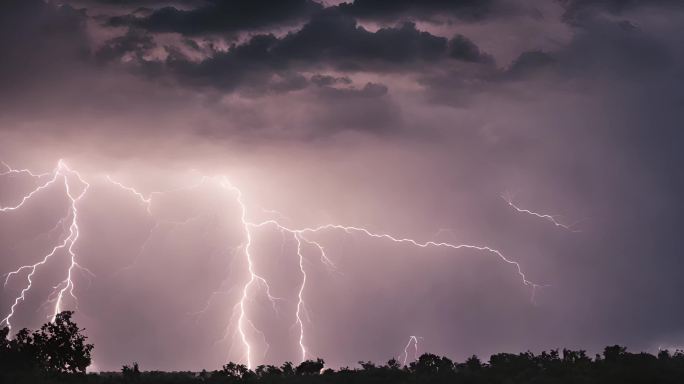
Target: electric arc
{"points": [[303, 237]]}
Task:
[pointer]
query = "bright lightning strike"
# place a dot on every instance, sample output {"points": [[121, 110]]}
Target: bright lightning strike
{"points": [[400, 240], [254, 278], [245, 325], [298, 234], [66, 286], [300, 301]]}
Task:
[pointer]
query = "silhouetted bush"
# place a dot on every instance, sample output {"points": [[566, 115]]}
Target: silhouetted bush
{"points": [[131, 373], [310, 367]]}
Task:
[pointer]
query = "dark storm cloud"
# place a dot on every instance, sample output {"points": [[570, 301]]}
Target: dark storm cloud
{"points": [[194, 3], [579, 12], [134, 42], [329, 40], [333, 38], [368, 91], [460, 47], [616, 49], [613, 49], [327, 80], [608, 49], [39, 41], [530, 63], [128, 5], [418, 9], [574, 7], [218, 16]]}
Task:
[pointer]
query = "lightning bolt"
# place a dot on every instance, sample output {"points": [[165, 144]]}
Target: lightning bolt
{"points": [[66, 286], [551, 218], [402, 240], [254, 278], [412, 340], [12, 171], [146, 201], [301, 305], [304, 238], [300, 301], [299, 234]]}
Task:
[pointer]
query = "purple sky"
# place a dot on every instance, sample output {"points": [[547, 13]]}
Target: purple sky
{"points": [[409, 118]]}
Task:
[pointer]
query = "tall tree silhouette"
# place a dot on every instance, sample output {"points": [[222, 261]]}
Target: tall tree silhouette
{"points": [[58, 347], [61, 346]]}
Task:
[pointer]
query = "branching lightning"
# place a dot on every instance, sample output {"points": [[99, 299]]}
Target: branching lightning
{"points": [[299, 233], [66, 286], [303, 237]]}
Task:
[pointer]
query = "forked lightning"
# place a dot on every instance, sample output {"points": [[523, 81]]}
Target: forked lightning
{"points": [[76, 188]]}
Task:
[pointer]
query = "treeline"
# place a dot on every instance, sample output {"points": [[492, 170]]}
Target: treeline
{"points": [[57, 353], [615, 365]]}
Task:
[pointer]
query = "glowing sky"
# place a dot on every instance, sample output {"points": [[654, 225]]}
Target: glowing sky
{"points": [[201, 138]]}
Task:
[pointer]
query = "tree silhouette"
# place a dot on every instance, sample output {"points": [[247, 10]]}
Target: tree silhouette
{"points": [[131, 373], [235, 371], [310, 367], [58, 347], [57, 353], [61, 347], [393, 364], [431, 364], [288, 368]]}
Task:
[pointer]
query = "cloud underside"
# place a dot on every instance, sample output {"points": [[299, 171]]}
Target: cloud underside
{"points": [[347, 67]]}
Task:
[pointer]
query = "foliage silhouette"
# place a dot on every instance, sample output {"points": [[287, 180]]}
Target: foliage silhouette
{"points": [[310, 367], [56, 349], [131, 373], [57, 353]]}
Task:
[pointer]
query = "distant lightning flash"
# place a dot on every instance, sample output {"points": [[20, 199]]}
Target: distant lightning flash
{"points": [[66, 286], [303, 238], [552, 218], [412, 340]]}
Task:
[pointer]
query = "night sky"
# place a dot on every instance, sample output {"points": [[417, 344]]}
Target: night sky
{"points": [[417, 119]]}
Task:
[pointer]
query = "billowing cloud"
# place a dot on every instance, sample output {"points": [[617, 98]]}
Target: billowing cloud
{"points": [[217, 16], [393, 10]]}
